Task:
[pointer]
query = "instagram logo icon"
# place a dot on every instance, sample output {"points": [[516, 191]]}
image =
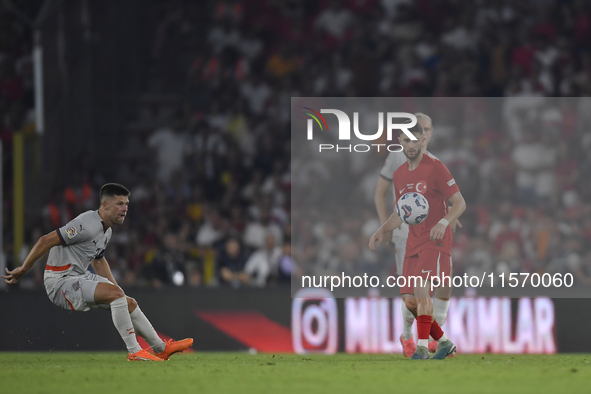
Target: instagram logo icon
{"points": [[314, 322]]}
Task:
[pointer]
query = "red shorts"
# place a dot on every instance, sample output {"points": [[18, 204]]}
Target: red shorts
{"points": [[426, 264]]}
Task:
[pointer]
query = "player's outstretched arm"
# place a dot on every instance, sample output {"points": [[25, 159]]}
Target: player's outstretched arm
{"points": [[393, 222], [458, 207], [379, 200], [102, 268], [40, 249]]}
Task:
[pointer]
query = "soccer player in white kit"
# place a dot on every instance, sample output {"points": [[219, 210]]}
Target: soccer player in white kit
{"points": [[69, 284], [400, 235]]}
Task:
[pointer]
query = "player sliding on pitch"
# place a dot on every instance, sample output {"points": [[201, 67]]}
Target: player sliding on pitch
{"points": [[428, 249], [71, 286]]}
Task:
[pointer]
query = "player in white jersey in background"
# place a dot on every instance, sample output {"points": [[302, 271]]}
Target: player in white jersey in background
{"points": [[400, 235], [69, 285]]}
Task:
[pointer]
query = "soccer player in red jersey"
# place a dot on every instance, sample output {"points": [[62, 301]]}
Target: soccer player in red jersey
{"points": [[428, 249], [400, 235]]}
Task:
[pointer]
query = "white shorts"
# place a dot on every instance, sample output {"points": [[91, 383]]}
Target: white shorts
{"points": [[400, 244], [73, 292]]}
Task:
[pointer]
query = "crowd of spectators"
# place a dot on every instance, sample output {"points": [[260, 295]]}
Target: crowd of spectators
{"points": [[16, 79], [16, 102], [212, 204]]}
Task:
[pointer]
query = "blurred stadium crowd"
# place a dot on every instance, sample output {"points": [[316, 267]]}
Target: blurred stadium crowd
{"points": [[212, 201]]}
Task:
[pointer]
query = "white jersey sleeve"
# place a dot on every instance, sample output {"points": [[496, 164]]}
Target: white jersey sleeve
{"points": [[431, 155], [77, 230], [393, 161]]}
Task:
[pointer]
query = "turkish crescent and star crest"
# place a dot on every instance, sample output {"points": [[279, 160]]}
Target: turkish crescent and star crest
{"points": [[421, 186]]}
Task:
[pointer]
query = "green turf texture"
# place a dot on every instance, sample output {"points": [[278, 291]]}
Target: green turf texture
{"points": [[105, 373]]}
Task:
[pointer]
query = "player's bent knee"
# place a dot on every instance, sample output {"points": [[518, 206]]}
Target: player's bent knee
{"points": [[118, 293], [411, 304], [131, 303], [107, 293]]}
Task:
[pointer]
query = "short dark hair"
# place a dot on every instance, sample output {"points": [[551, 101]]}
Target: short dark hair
{"points": [[112, 190], [416, 129]]}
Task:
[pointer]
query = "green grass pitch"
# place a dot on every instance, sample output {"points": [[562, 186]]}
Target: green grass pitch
{"points": [[94, 372]]}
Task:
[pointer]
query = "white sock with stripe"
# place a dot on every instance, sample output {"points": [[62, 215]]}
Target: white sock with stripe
{"points": [[123, 324], [146, 331], [407, 320]]}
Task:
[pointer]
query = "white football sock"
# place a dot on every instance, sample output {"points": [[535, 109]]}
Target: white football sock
{"points": [[440, 308], [443, 338], [122, 322], [423, 342], [146, 331], [407, 320]]}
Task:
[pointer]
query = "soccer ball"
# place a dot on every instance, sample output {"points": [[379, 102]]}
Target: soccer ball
{"points": [[412, 208]]}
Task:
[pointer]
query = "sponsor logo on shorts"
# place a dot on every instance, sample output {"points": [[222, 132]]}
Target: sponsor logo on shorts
{"points": [[76, 286], [71, 232]]}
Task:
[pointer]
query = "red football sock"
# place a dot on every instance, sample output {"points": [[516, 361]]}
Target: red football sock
{"points": [[436, 331], [424, 326]]}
